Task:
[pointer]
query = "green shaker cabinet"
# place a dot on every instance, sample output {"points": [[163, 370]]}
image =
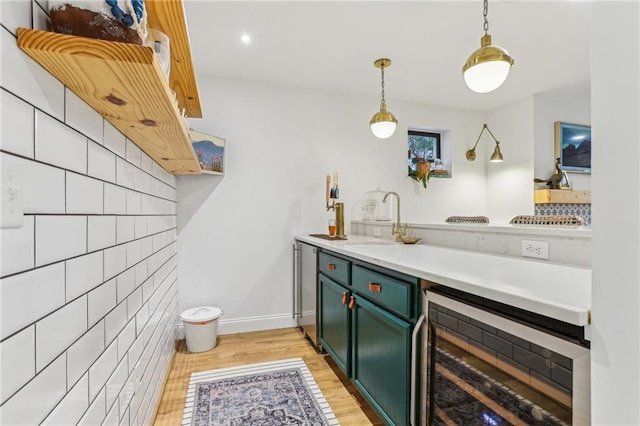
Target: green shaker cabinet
{"points": [[334, 322], [366, 317], [381, 360]]}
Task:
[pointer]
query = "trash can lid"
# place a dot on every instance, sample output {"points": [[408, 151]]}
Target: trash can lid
{"points": [[204, 313]]}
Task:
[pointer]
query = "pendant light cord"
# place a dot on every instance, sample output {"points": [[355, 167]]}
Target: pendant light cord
{"points": [[484, 13], [382, 71]]}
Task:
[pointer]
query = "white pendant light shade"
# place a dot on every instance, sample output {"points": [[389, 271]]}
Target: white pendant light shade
{"points": [[487, 76], [383, 123], [383, 130]]}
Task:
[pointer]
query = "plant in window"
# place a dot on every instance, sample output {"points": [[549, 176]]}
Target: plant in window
{"points": [[422, 152], [421, 170]]}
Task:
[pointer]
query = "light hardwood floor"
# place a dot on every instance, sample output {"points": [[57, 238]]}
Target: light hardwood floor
{"points": [[247, 348]]}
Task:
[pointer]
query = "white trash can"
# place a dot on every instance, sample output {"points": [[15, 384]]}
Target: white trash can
{"points": [[201, 327]]}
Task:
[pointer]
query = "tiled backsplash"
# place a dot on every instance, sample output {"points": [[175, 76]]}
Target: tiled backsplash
{"points": [[89, 282], [557, 209]]}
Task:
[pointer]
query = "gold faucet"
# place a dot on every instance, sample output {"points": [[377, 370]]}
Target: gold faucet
{"points": [[397, 229]]}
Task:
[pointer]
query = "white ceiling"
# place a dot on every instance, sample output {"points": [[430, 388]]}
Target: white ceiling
{"points": [[332, 45]]}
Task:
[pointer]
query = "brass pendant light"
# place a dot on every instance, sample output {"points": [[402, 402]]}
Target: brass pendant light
{"points": [[488, 67], [383, 123]]}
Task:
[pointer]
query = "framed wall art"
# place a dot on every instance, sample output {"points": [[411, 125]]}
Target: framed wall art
{"points": [[573, 147], [210, 151]]}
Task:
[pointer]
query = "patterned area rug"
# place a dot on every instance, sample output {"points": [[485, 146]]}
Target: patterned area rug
{"points": [[466, 396], [264, 394]]}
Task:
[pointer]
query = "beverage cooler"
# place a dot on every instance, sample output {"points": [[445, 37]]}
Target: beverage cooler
{"points": [[486, 363], [305, 298]]}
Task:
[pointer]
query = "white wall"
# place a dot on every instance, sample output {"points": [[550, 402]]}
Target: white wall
{"points": [[236, 232], [88, 289], [615, 93], [510, 183], [567, 104]]}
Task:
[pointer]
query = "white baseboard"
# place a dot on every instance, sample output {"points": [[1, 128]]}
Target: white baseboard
{"points": [[244, 325]]}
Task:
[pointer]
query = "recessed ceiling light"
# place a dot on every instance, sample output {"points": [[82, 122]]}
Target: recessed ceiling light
{"points": [[245, 38]]}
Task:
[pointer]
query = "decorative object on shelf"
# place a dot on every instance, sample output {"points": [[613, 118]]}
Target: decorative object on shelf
{"points": [[496, 157], [488, 67], [554, 181], [467, 219], [383, 123], [112, 20], [570, 220], [438, 169], [573, 147], [159, 42], [565, 183], [210, 151]]}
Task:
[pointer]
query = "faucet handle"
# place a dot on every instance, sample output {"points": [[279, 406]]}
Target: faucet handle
{"points": [[399, 230]]}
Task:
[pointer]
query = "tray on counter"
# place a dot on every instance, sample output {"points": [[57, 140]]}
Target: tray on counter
{"points": [[327, 237]]}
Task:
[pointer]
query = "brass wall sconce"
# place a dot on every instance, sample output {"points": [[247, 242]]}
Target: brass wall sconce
{"points": [[383, 123], [488, 67], [496, 157]]}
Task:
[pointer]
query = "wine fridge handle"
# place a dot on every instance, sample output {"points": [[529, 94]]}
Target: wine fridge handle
{"points": [[414, 351], [296, 281]]}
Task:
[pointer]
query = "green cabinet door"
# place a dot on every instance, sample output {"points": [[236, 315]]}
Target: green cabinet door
{"points": [[381, 363], [334, 321]]}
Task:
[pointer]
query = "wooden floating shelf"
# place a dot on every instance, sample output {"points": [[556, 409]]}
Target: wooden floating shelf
{"points": [[168, 16], [124, 83], [561, 196]]}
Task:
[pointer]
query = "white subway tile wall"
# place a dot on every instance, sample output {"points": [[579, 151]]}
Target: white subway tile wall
{"points": [[18, 361], [43, 187], [88, 285], [17, 247], [18, 137], [72, 406], [84, 194]]}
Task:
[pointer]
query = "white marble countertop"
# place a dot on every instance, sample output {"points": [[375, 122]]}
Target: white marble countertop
{"points": [[553, 290]]}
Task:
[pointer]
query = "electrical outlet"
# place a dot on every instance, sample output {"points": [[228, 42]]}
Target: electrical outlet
{"points": [[377, 232], [535, 249]]}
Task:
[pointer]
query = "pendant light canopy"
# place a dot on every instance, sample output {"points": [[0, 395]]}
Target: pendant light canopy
{"points": [[383, 123], [488, 67]]}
